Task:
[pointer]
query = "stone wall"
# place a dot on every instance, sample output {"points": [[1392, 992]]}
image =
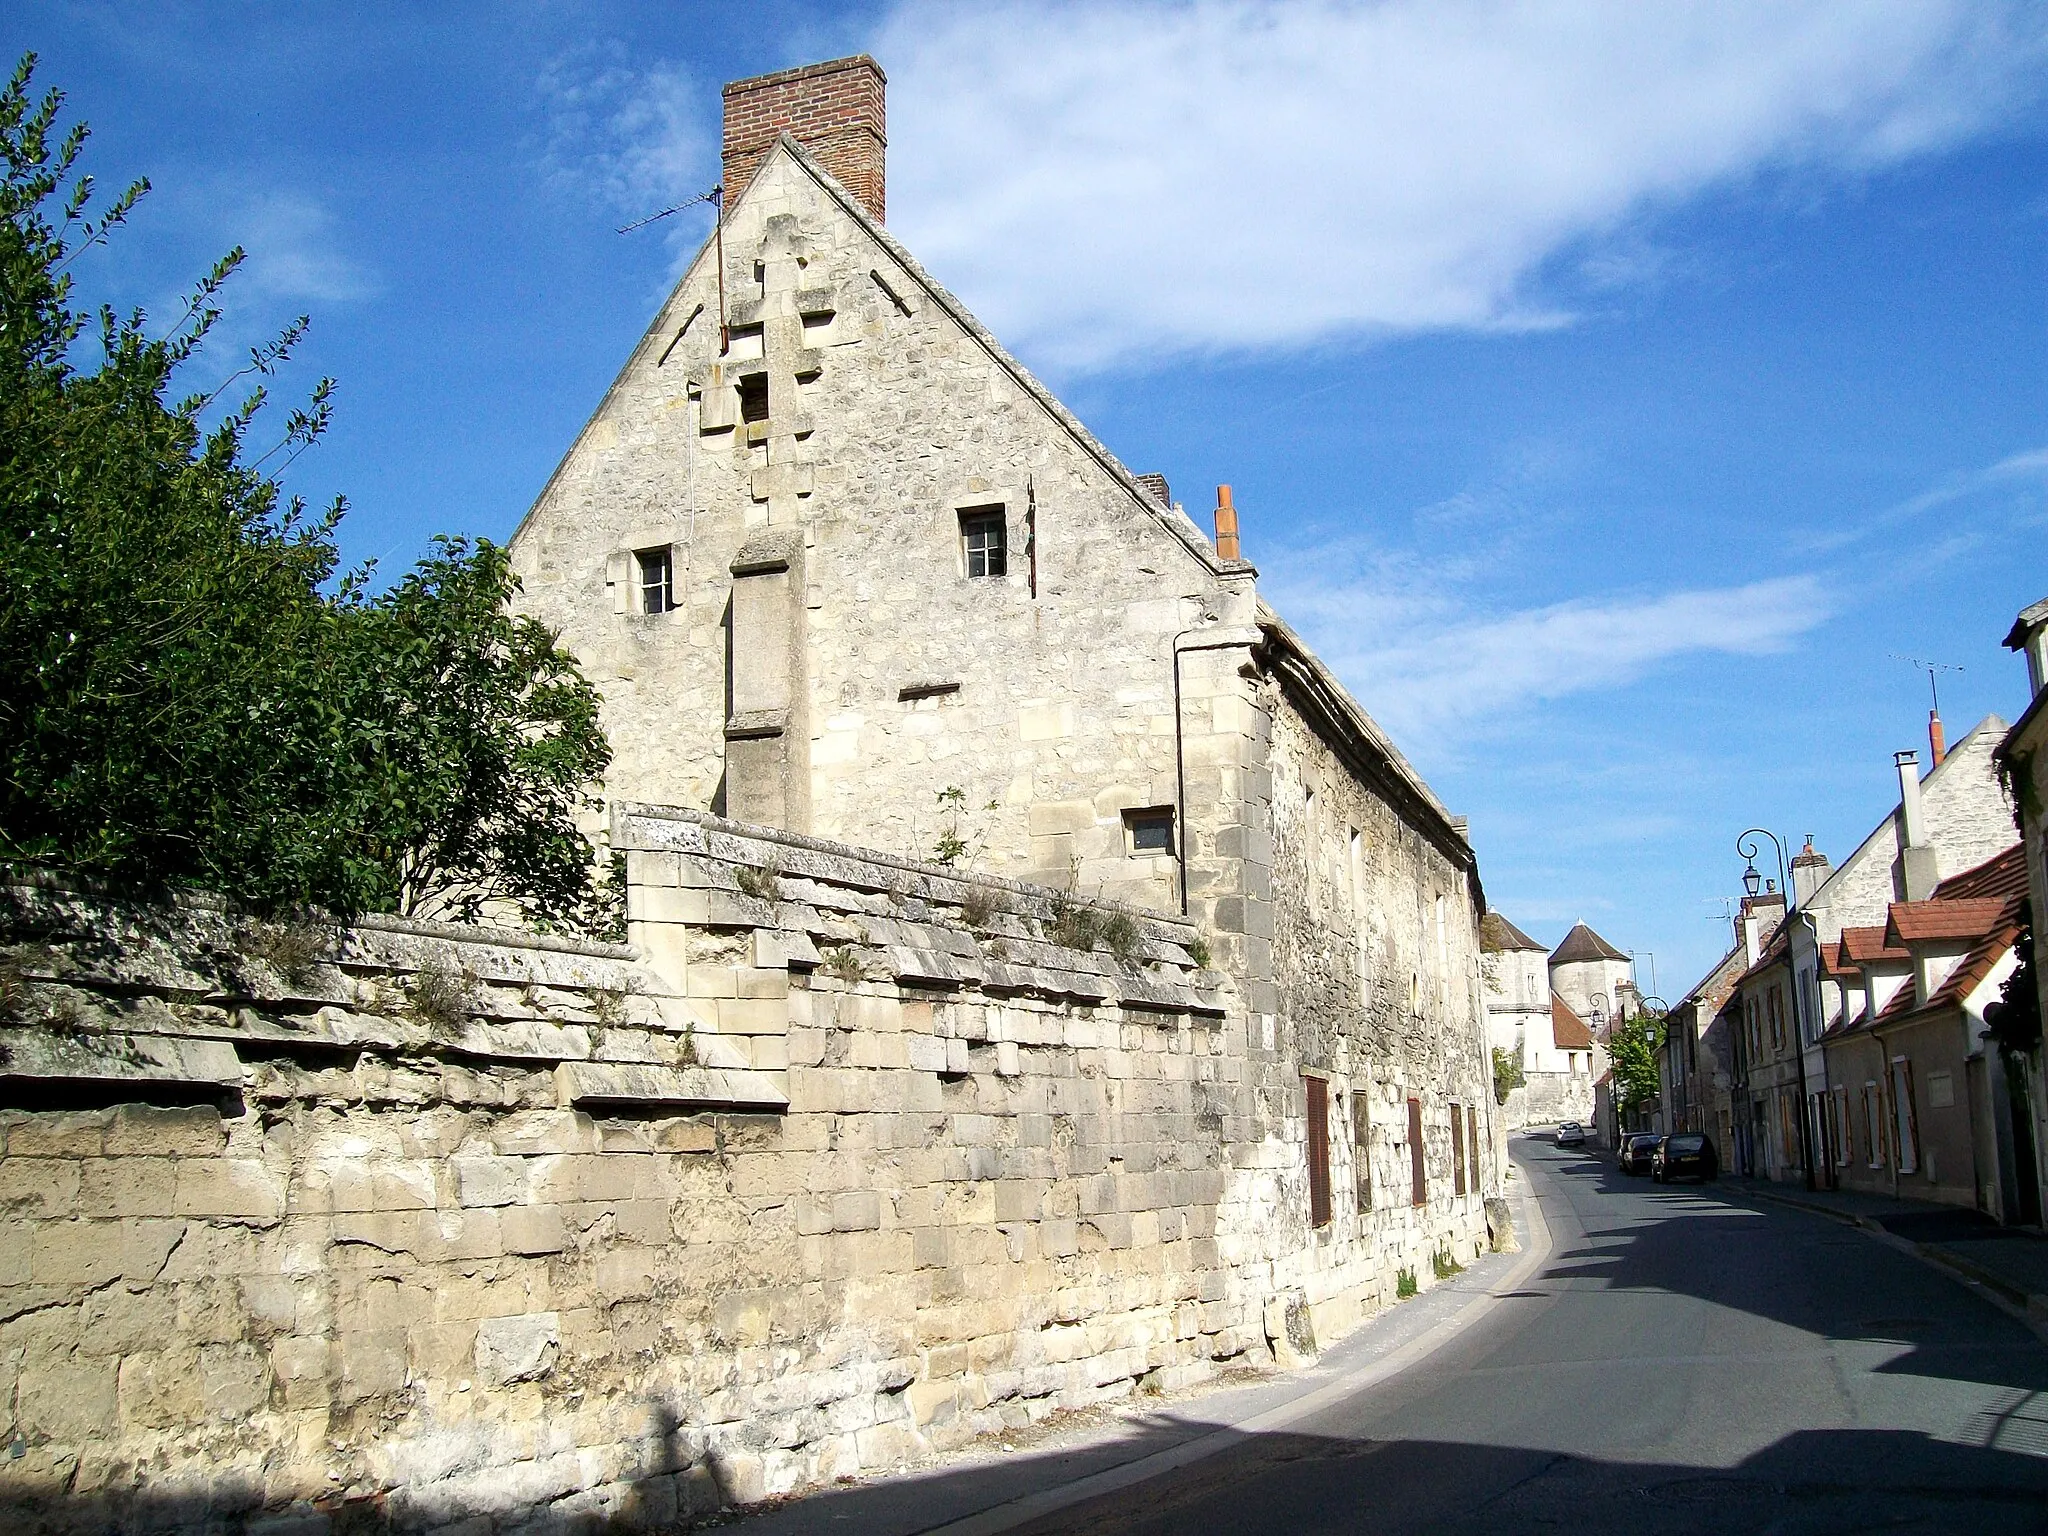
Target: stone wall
{"points": [[841, 1160]]}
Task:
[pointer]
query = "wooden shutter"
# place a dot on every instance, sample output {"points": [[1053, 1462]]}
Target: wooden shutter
{"points": [[1318, 1151], [1416, 1155], [1361, 1146], [1472, 1144], [1457, 1150]]}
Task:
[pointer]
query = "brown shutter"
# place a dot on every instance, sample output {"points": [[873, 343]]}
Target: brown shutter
{"points": [[1361, 1146], [1472, 1145], [1457, 1150], [1415, 1153], [1318, 1151]]}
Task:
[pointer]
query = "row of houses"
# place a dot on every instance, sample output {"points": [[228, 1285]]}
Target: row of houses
{"points": [[1875, 1025]]}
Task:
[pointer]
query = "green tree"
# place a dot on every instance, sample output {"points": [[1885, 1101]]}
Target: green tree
{"points": [[1632, 1048], [1507, 1073], [189, 694]]}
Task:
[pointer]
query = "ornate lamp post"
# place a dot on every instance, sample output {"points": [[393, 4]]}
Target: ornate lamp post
{"points": [[1747, 846]]}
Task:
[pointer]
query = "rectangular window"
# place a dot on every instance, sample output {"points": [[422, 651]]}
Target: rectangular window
{"points": [[983, 542], [1318, 1151], [1457, 1149], [754, 397], [1150, 830], [1472, 1144], [1361, 1146], [1417, 1157], [657, 579]]}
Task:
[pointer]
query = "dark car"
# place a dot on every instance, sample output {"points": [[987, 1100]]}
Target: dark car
{"points": [[1636, 1150], [1685, 1155], [1571, 1134]]}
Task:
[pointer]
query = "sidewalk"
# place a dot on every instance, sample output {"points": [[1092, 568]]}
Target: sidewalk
{"points": [[2009, 1261]]}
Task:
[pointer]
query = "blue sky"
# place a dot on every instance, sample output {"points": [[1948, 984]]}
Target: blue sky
{"points": [[1610, 391]]}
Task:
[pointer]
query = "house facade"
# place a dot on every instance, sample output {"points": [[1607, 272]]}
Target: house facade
{"points": [[2022, 762]]}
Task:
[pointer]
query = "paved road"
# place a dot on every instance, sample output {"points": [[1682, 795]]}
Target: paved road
{"points": [[1682, 1362]]}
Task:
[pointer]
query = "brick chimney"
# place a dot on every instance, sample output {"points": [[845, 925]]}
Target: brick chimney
{"points": [[1226, 526], [1937, 739], [835, 110]]}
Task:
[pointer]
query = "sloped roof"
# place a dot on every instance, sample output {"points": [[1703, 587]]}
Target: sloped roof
{"points": [[2000, 933], [1774, 951], [2030, 616], [1867, 946], [1582, 943], [1567, 1028], [2002, 875], [1497, 934], [1924, 922]]}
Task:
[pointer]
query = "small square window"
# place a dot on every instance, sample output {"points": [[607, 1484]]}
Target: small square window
{"points": [[983, 541], [754, 397], [1150, 831], [657, 579]]}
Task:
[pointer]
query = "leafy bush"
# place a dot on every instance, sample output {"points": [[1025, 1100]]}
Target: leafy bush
{"points": [[1507, 1073], [194, 697]]}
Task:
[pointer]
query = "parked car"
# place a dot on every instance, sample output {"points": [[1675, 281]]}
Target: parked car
{"points": [[1685, 1155], [1636, 1150], [1571, 1134]]}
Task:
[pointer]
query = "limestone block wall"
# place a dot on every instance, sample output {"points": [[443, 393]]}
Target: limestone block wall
{"points": [[1374, 960], [842, 1160]]}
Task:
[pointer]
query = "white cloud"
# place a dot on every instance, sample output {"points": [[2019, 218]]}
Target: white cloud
{"points": [[1438, 676], [295, 252], [1119, 180], [634, 140]]}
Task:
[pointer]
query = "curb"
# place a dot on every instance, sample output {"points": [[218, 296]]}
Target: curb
{"points": [[2030, 1307]]}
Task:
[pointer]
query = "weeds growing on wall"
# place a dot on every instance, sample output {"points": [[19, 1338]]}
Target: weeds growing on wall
{"points": [[1072, 925], [965, 833], [441, 997], [764, 883], [842, 963], [1404, 1284], [1445, 1263], [977, 906], [1198, 951], [293, 947]]}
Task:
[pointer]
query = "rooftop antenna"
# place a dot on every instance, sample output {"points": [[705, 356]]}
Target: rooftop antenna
{"points": [[715, 197], [1932, 669]]}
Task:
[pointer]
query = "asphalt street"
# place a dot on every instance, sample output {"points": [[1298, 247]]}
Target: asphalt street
{"points": [[1681, 1362]]}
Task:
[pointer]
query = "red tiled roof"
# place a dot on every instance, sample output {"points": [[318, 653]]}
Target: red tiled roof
{"points": [[1867, 946], [1992, 941], [1922, 922], [1567, 1028], [2001, 876]]}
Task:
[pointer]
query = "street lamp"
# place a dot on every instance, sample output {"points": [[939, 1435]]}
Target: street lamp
{"points": [[1747, 846]]}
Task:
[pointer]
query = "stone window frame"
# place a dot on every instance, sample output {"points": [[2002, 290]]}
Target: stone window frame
{"points": [[622, 568]]}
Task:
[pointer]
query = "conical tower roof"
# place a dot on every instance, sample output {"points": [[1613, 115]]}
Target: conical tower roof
{"points": [[1582, 943]]}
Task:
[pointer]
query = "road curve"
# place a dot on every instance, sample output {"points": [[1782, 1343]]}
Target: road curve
{"points": [[1681, 1362]]}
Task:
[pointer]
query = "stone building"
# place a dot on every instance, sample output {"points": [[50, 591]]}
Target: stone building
{"points": [[841, 566], [2022, 760], [1044, 982], [1537, 1029]]}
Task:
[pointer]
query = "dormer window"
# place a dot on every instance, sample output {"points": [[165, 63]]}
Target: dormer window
{"points": [[657, 579], [983, 542]]}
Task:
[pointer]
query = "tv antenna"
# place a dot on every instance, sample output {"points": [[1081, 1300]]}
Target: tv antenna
{"points": [[1932, 669], [715, 197]]}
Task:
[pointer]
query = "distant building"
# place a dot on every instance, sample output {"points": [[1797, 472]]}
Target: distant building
{"points": [[1535, 1027]]}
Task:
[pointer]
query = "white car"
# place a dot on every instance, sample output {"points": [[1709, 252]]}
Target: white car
{"points": [[1571, 1134]]}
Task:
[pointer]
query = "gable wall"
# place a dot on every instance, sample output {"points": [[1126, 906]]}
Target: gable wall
{"points": [[1063, 711]]}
